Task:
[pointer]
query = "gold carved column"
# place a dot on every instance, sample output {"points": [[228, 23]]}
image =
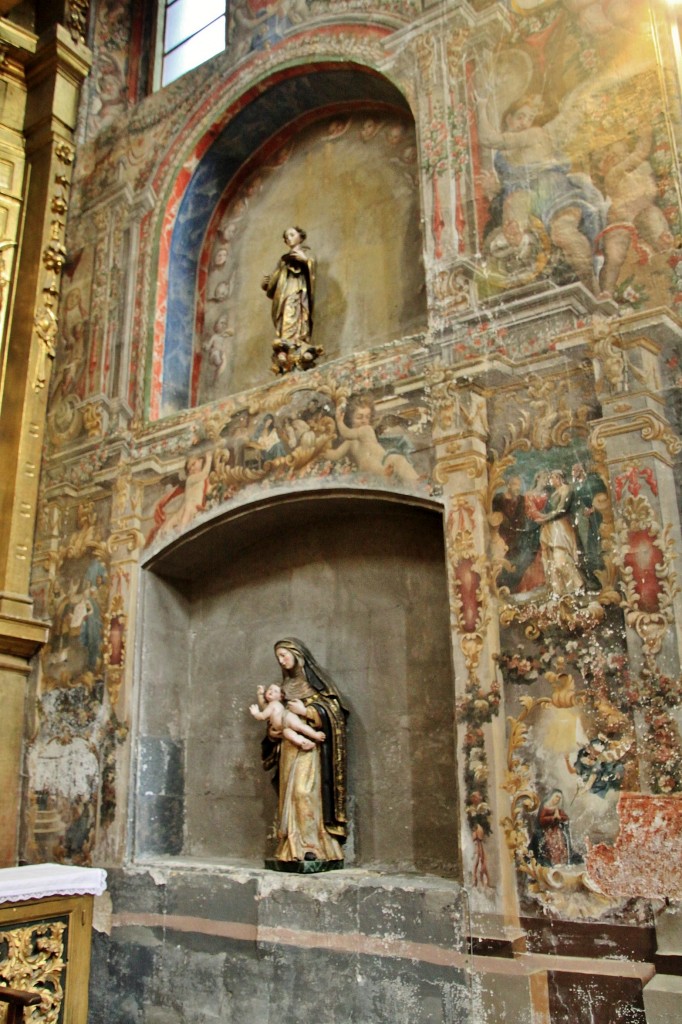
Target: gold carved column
{"points": [[41, 80]]}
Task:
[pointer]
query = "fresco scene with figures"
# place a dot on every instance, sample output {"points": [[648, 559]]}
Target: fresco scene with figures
{"points": [[341, 616]]}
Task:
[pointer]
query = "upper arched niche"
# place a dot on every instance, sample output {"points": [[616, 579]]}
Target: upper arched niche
{"points": [[333, 150]]}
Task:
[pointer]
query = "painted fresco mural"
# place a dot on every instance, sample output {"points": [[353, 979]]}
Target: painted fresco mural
{"points": [[76, 730], [69, 386], [108, 91], [532, 406], [261, 24], [551, 546], [571, 573], [553, 201]]}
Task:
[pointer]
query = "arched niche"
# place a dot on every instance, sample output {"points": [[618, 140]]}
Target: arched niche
{"points": [[345, 208], [362, 581]]}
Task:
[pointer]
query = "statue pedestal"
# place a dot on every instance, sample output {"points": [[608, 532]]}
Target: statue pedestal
{"points": [[237, 942], [303, 867]]}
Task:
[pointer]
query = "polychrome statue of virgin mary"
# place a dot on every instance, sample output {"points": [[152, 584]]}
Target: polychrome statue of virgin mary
{"points": [[311, 822]]}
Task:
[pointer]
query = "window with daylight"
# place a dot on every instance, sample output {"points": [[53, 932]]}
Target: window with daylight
{"points": [[192, 32]]}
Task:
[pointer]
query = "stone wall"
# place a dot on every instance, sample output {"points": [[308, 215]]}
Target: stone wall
{"points": [[248, 945]]}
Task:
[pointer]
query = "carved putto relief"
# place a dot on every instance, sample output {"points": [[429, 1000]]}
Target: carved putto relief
{"points": [[324, 433]]}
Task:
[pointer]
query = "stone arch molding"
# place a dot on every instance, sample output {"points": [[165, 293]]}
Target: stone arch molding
{"points": [[237, 118], [215, 532]]}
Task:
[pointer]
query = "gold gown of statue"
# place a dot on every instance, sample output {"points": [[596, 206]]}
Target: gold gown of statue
{"points": [[291, 288]]}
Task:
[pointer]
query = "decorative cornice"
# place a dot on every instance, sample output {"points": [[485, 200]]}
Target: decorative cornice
{"points": [[58, 54], [22, 638], [17, 40]]}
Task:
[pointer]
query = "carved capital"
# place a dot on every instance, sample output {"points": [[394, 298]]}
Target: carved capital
{"points": [[458, 408], [131, 539], [458, 461], [650, 427]]}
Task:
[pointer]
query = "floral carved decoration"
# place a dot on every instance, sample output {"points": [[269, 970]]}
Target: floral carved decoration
{"points": [[630, 480], [53, 257], [477, 707], [644, 553], [34, 960]]}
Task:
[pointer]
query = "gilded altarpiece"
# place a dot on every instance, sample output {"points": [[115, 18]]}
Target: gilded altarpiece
{"points": [[45, 949]]}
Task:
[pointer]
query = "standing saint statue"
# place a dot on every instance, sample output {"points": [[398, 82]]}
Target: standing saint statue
{"points": [[292, 287], [310, 778]]}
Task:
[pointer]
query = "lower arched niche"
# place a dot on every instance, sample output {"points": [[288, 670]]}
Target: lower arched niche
{"points": [[362, 582]]}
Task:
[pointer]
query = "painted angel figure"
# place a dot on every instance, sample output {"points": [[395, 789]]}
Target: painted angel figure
{"points": [[537, 184]]}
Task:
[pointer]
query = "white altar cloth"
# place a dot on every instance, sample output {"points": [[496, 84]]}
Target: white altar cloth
{"points": [[37, 881]]}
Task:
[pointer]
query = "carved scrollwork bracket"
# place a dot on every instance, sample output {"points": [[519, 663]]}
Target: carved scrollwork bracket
{"points": [[77, 19], [650, 426], [458, 407]]}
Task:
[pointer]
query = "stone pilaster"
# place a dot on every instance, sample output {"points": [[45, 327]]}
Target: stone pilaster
{"points": [[638, 446], [120, 624], [460, 436]]}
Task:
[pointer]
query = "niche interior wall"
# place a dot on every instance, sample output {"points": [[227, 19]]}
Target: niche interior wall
{"points": [[364, 580]]}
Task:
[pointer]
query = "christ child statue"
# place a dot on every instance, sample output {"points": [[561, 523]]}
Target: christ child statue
{"points": [[283, 724]]}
